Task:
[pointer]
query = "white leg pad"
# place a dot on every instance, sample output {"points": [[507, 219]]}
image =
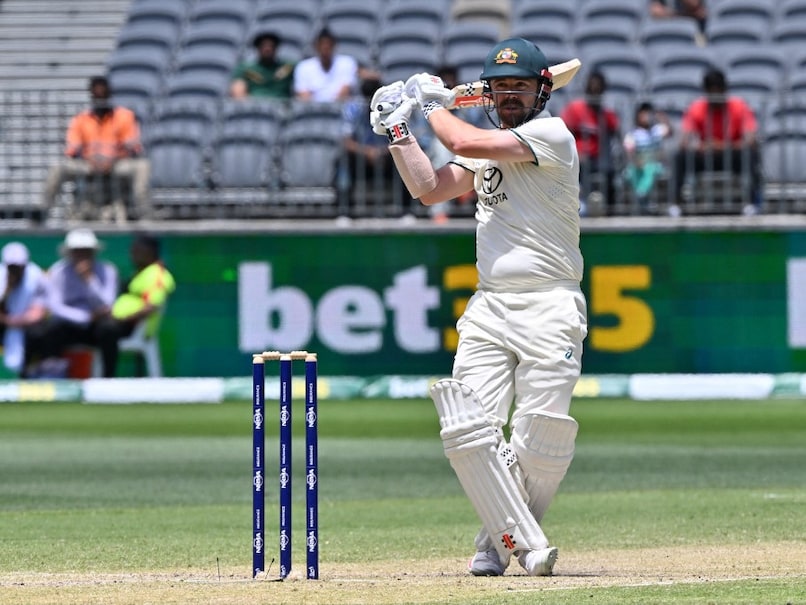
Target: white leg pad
{"points": [[544, 445], [471, 445]]}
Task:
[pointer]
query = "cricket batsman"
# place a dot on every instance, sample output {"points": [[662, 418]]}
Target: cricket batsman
{"points": [[520, 337]]}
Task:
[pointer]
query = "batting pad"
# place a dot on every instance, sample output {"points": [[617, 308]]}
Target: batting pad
{"points": [[544, 445], [471, 446]]}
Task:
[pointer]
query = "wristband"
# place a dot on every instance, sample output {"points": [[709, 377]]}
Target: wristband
{"points": [[397, 132], [431, 107]]}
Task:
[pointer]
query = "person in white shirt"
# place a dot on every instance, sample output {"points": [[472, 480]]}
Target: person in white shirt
{"points": [[22, 301], [328, 76], [81, 291], [521, 334]]}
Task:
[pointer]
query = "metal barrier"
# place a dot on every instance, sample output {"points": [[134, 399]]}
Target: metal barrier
{"points": [[33, 123]]}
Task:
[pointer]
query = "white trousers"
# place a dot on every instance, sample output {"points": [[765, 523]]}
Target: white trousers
{"points": [[522, 348]]}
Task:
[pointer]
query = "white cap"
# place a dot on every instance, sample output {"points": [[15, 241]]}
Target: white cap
{"points": [[81, 239], [15, 253]]}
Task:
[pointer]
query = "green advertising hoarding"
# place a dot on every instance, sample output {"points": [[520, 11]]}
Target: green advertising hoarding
{"points": [[386, 303]]}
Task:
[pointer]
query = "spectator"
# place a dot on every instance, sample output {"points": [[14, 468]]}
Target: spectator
{"points": [[266, 76], [645, 154], [693, 9], [719, 132], [145, 295], [328, 76], [22, 284], [369, 162], [103, 141], [80, 294], [596, 130]]}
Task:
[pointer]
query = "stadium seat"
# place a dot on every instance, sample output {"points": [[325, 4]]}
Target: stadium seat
{"points": [[742, 11], [177, 161], [784, 155], [602, 34], [192, 118], [397, 63], [211, 32], [674, 81], [263, 117], [403, 36], [302, 11], [498, 12], [142, 33], [209, 59], [666, 36], [738, 32], [543, 30], [792, 10], [135, 82], [356, 15], [416, 12], [237, 11], [464, 41], [548, 9], [301, 152], [628, 12], [764, 57], [199, 85], [242, 160], [156, 59], [152, 11], [756, 86], [788, 35]]}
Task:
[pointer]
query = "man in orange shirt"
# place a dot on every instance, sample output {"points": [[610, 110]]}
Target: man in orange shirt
{"points": [[103, 140], [719, 133]]}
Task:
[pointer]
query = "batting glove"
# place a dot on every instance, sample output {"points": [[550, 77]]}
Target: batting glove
{"points": [[397, 122], [430, 92], [385, 100]]}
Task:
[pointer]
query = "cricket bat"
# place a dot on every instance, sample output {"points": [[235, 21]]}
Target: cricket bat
{"points": [[470, 94]]}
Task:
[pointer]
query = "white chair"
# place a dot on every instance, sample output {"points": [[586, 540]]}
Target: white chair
{"points": [[147, 346]]}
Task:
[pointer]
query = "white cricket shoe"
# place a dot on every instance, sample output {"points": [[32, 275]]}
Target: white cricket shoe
{"points": [[538, 562], [486, 563]]}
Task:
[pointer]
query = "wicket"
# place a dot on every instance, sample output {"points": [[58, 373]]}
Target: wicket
{"points": [[311, 461]]}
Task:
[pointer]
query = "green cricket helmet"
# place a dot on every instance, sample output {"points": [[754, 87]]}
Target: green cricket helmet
{"points": [[519, 58]]}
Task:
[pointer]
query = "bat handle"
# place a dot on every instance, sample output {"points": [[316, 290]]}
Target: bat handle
{"points": [[385, 108]]}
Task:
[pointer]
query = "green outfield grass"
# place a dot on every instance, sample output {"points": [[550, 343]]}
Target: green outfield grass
{"points": [[146, 503]]}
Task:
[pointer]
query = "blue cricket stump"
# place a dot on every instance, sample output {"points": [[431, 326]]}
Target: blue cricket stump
{"points": [[285, 456]]}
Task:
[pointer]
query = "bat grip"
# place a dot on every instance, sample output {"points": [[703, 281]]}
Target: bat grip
{"points": [[385, 107]]}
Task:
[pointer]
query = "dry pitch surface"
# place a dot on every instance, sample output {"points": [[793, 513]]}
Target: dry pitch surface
{"points": [[418, 581]]}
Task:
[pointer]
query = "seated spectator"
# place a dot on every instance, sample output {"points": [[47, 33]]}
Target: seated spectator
{"points": [[596, 130], [645, 154], [22, 284], [328, 76], [144, 296], [719, 133], [369, 162], [81, 290], [266, 76], [693, 9], [103, 142]]}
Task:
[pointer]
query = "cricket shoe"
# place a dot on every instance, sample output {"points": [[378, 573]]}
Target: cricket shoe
{"points": [[486, 563], [538, 562]]}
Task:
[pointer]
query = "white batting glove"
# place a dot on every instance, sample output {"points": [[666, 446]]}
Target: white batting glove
{"points": [[397, 122], [430, 92], [385, 100]]}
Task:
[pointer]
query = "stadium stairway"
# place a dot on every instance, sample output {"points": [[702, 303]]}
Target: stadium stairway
{"points": [[48, 51]]}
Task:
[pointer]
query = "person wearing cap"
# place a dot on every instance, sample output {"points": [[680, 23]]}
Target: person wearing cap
{"points": [[103, 141], [504, 413], [22, 301], [267, 76], [81, 291]]}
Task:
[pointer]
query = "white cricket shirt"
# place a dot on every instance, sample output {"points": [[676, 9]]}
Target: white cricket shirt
{"points": [[527, 235]]}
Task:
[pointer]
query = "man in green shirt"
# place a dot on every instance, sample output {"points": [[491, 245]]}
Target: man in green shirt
{"points": [[268, 76]]}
